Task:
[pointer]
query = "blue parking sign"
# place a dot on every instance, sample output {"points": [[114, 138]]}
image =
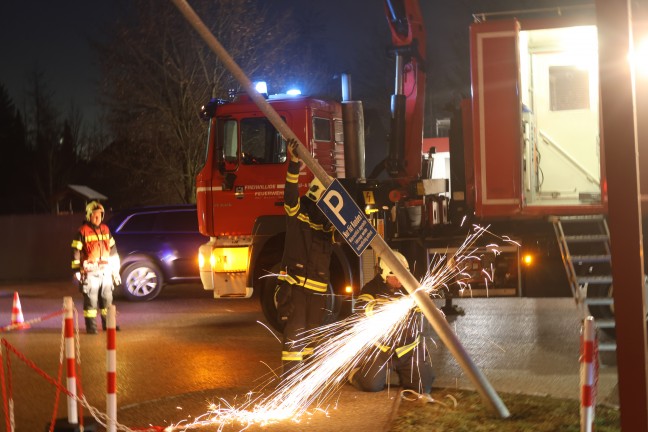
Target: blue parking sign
{"points": [[346, 216]]}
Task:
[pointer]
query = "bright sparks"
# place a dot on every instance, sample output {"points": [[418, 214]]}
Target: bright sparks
{"points": [[343, 346]]}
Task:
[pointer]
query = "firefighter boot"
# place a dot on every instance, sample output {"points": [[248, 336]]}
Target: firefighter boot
{"points": [[91, 326], [450, 310]]}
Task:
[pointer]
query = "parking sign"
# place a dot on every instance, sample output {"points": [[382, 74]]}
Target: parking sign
{"points": [[346, 216]]}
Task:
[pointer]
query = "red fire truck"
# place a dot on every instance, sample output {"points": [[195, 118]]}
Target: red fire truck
{"points": [[525, 151]]}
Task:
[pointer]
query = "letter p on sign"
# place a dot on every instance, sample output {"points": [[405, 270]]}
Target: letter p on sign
{"points": [[335, 203]]}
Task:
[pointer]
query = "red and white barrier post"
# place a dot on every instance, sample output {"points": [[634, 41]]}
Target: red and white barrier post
{"points": [[111, 369], [68, 305], [588, 374]]}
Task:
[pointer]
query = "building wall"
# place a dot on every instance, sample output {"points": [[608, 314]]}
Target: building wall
{"points": [[37, 247]]}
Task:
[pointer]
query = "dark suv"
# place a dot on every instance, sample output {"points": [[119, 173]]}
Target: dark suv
{"points": [[157, 245]]}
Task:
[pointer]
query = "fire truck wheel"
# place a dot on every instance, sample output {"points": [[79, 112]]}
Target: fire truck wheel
{"points": [[141, 281], [269, 302]]}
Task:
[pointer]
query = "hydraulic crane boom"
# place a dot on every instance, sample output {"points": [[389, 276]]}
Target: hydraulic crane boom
{"points": [[407, 102]]}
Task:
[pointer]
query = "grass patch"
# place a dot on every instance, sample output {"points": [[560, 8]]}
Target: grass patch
{"points": [[528, 413]]}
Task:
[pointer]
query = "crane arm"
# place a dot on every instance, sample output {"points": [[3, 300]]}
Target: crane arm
{"points": [[408, 101]]}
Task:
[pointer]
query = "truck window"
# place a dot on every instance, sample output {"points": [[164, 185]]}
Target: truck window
{"points": [[569, 88], [339, 131], [261, 143], [321, 129], [230, 139]]}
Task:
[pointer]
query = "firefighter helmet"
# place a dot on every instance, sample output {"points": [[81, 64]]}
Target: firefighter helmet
{"points": [[315, 190], [91, 207], [386, 271]]}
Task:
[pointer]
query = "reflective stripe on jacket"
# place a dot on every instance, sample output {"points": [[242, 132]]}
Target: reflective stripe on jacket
{"points": [[92, 246], [302, 281], [309, 238]]}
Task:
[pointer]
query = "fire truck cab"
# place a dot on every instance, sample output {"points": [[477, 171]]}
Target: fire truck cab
{"points": [[240, 188]]}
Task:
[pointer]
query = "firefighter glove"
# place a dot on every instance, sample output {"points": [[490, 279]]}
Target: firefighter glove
{"points": [[80, 277], [116, 279], [292, 144]]}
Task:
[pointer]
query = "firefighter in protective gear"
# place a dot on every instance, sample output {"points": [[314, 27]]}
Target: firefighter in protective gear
{"points": [[405, 352], [96, 265], [304, 277]]}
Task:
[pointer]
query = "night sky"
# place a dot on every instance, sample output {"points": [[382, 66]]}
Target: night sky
{"points": [[53, 37]]}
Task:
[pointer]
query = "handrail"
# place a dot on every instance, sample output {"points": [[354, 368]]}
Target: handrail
{"points": [[558, 10], [569, 158]]}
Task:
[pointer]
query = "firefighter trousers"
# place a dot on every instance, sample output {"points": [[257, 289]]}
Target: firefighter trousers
{"points": [[414, 371], [301, 309], [97, 291]]}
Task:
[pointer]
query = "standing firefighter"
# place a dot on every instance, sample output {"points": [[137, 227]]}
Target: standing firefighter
{"points": [[96, 265], [304, 277]]}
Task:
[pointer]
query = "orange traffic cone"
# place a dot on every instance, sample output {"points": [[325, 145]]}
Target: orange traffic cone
{"points": [[16, 311]]}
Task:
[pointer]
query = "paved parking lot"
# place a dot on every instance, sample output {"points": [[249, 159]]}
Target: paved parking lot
{"points": [[520, 344], [526, 345]]}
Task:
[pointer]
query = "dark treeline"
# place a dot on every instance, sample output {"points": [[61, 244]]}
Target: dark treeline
{"points": [[41, 151], [156, 73]]}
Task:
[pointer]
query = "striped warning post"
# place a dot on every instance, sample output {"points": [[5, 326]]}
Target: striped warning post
{"points": [[111, 369], [68, 305], [588, 374]]}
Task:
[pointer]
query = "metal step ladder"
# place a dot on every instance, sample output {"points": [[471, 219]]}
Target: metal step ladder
{"points": [[584, 243]]}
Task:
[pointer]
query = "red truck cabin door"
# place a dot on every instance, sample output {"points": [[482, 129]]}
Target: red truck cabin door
{"points": [[496, 116], [248, 172]]}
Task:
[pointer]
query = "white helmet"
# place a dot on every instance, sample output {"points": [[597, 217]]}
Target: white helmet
{"points": [[386, 271], [91, 207], [315, 190]]}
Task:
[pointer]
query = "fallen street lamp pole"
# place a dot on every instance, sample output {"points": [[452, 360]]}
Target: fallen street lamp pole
{"points": [[424, 302]]}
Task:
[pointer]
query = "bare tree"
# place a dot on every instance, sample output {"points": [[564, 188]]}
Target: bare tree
{"points": [[75, 122], [44, 139], [157, 73]]}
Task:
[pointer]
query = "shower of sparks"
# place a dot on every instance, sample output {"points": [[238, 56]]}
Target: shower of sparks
{"points": [[344, 345]]}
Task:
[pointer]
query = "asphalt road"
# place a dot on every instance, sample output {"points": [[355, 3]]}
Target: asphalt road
{"points": [[175, 355], [184, 350], [183, 344]]}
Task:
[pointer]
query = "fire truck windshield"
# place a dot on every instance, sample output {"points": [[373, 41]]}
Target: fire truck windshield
{"points": [[261, 143]]}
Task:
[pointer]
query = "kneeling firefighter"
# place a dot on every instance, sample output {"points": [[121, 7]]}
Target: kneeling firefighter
{"points": [[405, 353]]}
